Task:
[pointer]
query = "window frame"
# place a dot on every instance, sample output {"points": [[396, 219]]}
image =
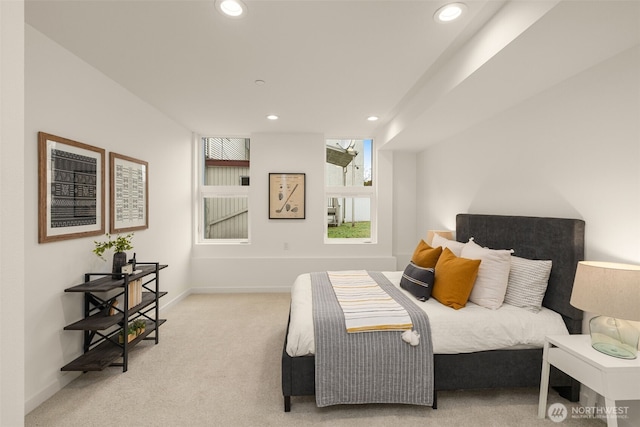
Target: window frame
{"points": [[217, 191], [351, 191]]}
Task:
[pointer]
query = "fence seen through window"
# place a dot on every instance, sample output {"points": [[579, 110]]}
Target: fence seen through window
{"points": [[224, 195], [349, 189]]}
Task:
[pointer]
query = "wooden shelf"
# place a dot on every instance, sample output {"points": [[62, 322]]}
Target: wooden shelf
{"points": [[101, 321], [104, 354], [107, 283]]}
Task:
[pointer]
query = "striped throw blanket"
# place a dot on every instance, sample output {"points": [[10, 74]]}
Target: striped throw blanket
{"points": [[376, 367], [366, 306]]}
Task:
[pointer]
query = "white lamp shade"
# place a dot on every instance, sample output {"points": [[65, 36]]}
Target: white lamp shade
{"points": [[607, 289]]}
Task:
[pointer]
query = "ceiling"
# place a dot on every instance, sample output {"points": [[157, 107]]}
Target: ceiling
{"points": [[328, 65]]}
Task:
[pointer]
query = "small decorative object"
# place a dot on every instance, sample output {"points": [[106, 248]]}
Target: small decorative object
{"points": [[119, 260], [70, 189], [132, 261], [613, 291], [119, 246], [134, 329], [112, 307], [127, 269], [129, 193], [140, 326], [131, 334], [286, 196]]}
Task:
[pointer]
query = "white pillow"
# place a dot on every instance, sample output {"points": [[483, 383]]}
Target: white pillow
{"points": [[493, 274], [527, 284], [455, 247]]}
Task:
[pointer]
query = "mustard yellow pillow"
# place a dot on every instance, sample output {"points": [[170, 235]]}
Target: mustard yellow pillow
{"points": [[454, 279], [425, 256]]}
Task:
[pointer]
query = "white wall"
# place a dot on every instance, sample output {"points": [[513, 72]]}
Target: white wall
{"points": [[571, 151], [265, 264], [406, 232], [12, 210], [66, 97]]}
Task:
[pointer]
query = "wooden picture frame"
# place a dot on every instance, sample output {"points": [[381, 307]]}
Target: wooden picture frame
{"points": [[70, 189], [129, 194], [287, 196]]}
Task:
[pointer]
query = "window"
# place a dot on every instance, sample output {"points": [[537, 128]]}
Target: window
{"points": [[223, 190], [349, 191]]}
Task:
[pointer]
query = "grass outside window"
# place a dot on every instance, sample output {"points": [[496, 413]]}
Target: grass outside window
{"points": [[347, 230]]}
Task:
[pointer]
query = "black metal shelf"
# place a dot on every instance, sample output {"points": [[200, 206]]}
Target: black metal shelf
{"points": [[103, 355], [101, 330], [101, 321], [107, 283]]}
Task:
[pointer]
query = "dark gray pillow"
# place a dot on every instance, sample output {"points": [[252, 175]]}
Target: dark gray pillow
{"points": [[418, 281]]}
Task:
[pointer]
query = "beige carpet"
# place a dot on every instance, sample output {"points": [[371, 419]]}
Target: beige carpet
{"points": [[218, 364]]}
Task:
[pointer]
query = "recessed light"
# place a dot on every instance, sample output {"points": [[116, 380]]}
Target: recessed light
{"points": [[449, 12], [231, 8], [372, 118], [259, 82], [272, 117]]}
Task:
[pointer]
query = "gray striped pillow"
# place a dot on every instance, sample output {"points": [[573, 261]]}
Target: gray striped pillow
{"points": [[527, 284]]}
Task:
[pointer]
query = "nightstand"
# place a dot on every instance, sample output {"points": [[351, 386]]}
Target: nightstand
{"points": [[613, 378]]}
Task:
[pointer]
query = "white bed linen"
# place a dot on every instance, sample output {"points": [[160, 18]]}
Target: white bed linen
{"points": [[472, 328]]}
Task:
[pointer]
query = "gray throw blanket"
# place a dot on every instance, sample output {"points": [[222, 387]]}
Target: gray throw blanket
{"points": [[368, 367]]}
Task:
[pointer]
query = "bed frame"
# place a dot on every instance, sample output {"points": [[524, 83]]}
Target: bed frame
{"points": [[557, 239]]}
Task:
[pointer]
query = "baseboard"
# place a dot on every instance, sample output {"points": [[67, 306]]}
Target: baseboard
{"points": [[33, 402], [172, 302]]}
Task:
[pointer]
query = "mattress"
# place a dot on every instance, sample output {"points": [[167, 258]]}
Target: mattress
{"points": [[470, 329]]}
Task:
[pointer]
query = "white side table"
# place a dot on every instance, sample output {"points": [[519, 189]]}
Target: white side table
{"points": [[611, 377]]}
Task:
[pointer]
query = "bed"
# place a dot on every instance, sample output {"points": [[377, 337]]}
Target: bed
{"points": [[557, 239]]}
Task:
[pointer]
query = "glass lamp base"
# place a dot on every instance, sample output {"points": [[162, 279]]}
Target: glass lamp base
{"points": [[614, 337]]}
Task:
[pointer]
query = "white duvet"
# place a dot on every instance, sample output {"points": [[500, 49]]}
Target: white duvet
{"points": [[472, 328]]}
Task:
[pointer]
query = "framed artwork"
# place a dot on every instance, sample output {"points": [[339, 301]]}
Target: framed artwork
{"points": [[70, 189], [129, 193], [286, 196]]}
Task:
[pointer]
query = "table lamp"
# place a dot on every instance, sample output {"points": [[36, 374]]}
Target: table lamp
{"points": [[612, 291], [447, 234]]}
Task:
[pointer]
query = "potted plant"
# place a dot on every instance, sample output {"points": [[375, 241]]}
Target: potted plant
{"points": [[139, 325], [119, 245], [131, 334]]}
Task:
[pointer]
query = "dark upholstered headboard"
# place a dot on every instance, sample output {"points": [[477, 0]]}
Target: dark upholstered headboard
{"points": [[557, 239]]}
